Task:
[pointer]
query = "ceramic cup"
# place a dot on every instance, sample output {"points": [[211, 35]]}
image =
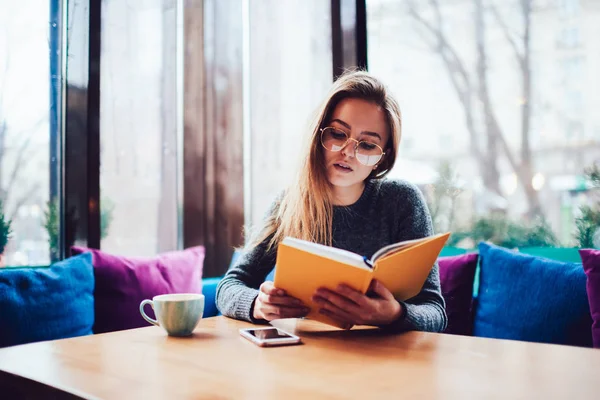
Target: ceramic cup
{"points": [[178, 314]]}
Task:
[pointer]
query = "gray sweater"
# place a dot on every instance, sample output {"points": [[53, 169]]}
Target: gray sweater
{"points": [[387, 212]]}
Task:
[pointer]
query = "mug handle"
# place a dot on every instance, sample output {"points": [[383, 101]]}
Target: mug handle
{"points": [[147, 318]]}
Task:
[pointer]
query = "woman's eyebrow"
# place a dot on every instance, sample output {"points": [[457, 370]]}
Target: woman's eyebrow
{"points": [[374, 134], [368, 133], [339, 121]]}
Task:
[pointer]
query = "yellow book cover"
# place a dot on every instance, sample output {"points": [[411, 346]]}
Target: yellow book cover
{"points": [[302, 267]]}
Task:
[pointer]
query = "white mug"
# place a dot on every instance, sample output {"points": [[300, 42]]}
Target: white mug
{"points": [[178, 314]]}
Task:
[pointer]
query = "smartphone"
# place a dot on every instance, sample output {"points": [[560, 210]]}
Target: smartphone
{"points": [[271, 336]]}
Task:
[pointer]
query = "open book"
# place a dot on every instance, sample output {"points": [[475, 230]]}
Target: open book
{"points": [[303, 267]]}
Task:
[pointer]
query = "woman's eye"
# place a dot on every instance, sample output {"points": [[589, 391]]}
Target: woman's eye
{"points": [[338, 135], [367, 146]]}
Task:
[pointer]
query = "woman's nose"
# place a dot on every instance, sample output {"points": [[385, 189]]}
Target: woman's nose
{"points": [[349, 149]]}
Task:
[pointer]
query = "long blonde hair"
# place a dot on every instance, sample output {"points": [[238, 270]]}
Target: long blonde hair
{"points": [[305, 210]]}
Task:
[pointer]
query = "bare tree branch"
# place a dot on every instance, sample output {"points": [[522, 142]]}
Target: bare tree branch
{"points": [[465, 88], [440, 46], [23, 199], [6, 68], [3, 131], [453, 53], [513, 44], [20, 161], [491, 175], [443, 43], [454, 67]]}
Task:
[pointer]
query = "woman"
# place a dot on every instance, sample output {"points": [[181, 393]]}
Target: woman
{"points": [[339, 199]]}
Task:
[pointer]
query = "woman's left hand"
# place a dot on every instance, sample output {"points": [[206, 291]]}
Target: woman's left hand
{"points": [[351, 307]]}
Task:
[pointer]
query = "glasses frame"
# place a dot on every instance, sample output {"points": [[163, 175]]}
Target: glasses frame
{"points": [[348, 140]]}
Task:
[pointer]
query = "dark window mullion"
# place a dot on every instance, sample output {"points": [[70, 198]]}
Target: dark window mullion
{"points": [[93, 124], [348, 39], [80, 218]]}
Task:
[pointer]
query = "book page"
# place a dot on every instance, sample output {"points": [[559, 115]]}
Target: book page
{"points": [[396, 247], [404, 271], [335, 254]]}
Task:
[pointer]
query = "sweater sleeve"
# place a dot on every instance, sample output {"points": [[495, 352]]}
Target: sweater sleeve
{"points": [[427, 310], [237, 291]]}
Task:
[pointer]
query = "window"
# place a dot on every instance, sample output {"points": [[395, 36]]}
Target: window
{"points": [[438, 87], [568, 8], [139, 127], [574, 100], [572, 69], [290, 73], [29, 118], [570, 37]]}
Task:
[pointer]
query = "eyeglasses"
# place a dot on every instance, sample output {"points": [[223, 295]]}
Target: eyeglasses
{"points": [[366, 153]]}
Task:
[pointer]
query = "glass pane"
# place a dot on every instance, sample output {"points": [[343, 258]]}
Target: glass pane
{"points": [[290, 73], [28, 43], [138, 127], [500, 114]]}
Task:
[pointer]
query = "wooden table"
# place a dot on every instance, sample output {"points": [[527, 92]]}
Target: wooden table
{"points": [[217, 363]]}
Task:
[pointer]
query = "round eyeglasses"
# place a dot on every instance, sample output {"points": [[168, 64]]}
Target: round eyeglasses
{"points": [[367, 153]]}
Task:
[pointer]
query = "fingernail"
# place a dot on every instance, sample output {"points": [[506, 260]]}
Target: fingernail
{"points": [[297, 301], [280, 292]]}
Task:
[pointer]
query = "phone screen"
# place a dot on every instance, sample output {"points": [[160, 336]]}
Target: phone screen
{"points": [[271, 333]]}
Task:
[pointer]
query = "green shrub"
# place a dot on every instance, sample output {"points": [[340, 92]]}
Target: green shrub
{"points": [[587, 224], [5, 229]]}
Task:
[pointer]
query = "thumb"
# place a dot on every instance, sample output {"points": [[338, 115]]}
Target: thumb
{"points": [[268, 288], [380, 289]]}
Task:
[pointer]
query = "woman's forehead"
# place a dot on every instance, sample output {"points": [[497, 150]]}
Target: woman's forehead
{"points": [[361, 115]]}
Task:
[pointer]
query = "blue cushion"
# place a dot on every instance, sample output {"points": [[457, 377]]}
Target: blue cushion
{"points": [[531, 298], [47, 303], [209, 290]]}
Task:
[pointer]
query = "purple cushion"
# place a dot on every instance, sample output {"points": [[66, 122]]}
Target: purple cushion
{"points": [[123, 282], [456, 279], [591, 266]]}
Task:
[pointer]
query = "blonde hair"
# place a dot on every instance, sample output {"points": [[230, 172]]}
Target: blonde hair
{"points": [[305, 210]]}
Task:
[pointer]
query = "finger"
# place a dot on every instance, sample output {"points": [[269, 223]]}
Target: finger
{"points": [[344, 314], [280, 300], [268, 288], [382, 291], [354, 295], [345, 324], [342, 302], [293, 312], [285, 312]]}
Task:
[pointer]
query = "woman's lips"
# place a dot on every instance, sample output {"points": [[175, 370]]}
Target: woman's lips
{"points": [[342, 167]]}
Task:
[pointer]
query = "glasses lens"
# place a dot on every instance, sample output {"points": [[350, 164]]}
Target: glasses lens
{"points": [[368, 154], [333, 139]]}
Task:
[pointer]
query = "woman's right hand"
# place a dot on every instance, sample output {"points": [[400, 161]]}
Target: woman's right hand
{"points": [[273, 303]]}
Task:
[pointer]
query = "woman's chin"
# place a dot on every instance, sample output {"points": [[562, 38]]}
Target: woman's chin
{"points": [[343, 180]]}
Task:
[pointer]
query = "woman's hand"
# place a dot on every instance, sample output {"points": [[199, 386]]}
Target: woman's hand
{"points": [[351, 307], [273, 303]]}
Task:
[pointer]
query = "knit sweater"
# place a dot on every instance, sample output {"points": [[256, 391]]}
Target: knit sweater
{"points": [[388, 211]]}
